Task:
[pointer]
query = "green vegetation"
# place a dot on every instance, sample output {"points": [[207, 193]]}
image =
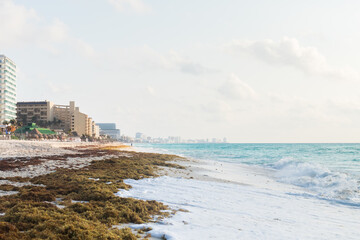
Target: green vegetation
{"points": [[90, 208], [31, 127]]}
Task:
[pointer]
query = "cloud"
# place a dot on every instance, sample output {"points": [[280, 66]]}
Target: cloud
{"points": [[186, 65], [137, 6], [192, 68], [21, 26], [234, 88], [58, 88], [218, 111], [301, 111], [83, 48], [57, 31], [150, 90], [289, 52], [16, 22], [145, 58]]}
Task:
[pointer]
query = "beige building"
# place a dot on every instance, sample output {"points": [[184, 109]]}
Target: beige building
{"points": [[89, 126], [28, 112], [95, 130], [69, 116], [61, 113], [74, 120]]}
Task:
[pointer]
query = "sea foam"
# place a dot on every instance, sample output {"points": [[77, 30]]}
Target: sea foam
{"points": [[219, 210], [323, 182]]}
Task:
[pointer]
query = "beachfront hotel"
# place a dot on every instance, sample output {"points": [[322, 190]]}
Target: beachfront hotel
{"points": [[69, 116], [35, 111], [7, 89]]}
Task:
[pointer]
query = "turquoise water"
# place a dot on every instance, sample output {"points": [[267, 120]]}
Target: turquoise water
{"points": [[338, 157], [331, 170]]}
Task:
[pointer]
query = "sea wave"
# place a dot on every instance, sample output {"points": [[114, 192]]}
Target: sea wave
{"points": [[318, 179]]}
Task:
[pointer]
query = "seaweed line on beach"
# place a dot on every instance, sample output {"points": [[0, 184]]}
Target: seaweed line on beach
{"points": [[79, 203]]}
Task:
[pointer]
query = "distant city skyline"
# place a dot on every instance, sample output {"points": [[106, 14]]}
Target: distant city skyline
{"points": [[264, 71], [143, 138]]}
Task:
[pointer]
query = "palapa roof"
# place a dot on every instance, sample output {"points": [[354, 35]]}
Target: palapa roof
{"points": [[34, 129]]}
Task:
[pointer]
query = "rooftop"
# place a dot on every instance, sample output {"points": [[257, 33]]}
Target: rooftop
{"points": [[32, 103]]}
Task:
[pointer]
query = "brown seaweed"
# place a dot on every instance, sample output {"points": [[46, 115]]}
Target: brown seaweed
{"points": [[91, 207]]}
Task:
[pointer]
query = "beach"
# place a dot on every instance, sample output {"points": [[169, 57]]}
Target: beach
{"points": [[69, 191], [165, 197]]}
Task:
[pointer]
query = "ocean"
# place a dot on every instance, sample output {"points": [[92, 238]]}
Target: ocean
{"points": [[271, 191]]}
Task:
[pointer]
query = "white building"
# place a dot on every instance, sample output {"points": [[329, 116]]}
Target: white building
{"points": [[7, 89]]}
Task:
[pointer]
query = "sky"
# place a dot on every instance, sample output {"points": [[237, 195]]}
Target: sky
{"points": [[250, 71]]}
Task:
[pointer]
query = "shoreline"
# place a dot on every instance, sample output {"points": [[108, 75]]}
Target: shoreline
{"points": [[190, 199], [223, 172]]}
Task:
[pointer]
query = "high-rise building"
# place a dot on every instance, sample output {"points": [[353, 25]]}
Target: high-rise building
{"points": [[139, 135], [110, 130], [73, 119], [7, 89]]}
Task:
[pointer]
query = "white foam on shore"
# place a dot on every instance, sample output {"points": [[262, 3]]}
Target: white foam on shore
{"points": [[231, 211], [150, 150], [287, 173], [318, 179]]}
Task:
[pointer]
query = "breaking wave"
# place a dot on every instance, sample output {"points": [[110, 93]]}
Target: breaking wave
{"points": [[318, 179]]}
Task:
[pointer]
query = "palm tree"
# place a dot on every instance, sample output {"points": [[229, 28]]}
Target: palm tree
{"points": [[22, 119], [35, 119], [5, 122], [13, 122]]}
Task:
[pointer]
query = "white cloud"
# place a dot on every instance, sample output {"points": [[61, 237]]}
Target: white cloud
{"points": [[192, 68], [16, 22], [57, 31], [137, 6], [186, 65], [234, 88], [21, 26], [145, 58], [289, 52], [218, 111], [83, 48], [150, 90], [301, 111], [58, 88]]}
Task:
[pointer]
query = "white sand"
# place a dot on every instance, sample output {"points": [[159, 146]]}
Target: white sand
{"points": [[17, 148], [45, 149]]}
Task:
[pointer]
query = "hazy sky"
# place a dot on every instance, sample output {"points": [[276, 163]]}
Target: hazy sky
{"points": [[251, 71]]}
